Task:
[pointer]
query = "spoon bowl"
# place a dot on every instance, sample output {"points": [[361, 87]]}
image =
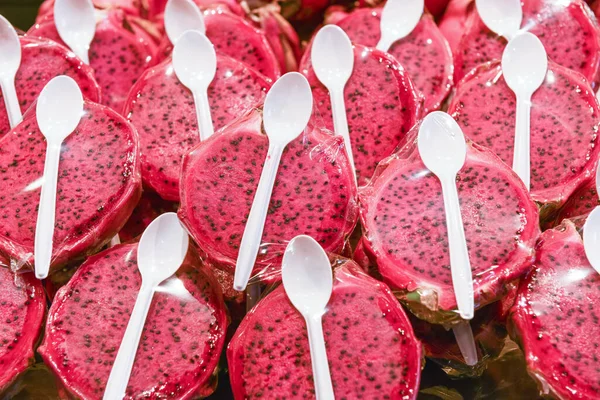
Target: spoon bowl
{"points": [[288, 107], [332, 56], [398, 19], [182, 16], [76, 25], [10, 49], [306, 274], [163, 247], [524, 64], [503, 17], [59, 108], [441, 144], [591, 238], [194, 60]]}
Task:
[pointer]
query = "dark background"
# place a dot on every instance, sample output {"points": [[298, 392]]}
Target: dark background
{"points": [[20, 12]]}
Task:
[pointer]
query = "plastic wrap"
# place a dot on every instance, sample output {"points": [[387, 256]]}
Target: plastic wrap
{"points": [[42, 60], [99, 185], [121, 50], [22, 310], [554, 317], [372, 350], [565, 119], [180, 346], [163, 111], [404, 229], [381, 103], [581, 203], [314, 194], [424, 53], [553, 22]]}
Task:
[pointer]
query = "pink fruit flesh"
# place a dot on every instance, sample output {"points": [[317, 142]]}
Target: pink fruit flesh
{"points": [[565, 119], [405, 227], [314, 193], [552, 21], [452, 24], [424, 53], [180, 345], [42, 60], [22, 309], [381, 104], [119, 53], [555, 318], [163, 111], [371, 347], [98, 184], [235, 37]]}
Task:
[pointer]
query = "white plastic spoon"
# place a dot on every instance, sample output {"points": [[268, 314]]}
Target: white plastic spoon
{"points": [[308, 282], [75, 22], [443, 150], [195, 64], [466, 343], [10, 61], [524, 66], [182, 16], [332, 58], [591, 232], [503, 17], [287, 109], [58, 111], [161, 251], [398, 19]]}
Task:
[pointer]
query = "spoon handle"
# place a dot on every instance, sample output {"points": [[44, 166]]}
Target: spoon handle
{"points": [[83, 52], [256, 219], [521, 157], [11, 101], [203, 114], [340, 123], [466, 343], [318, 357], [462, 277], [44, 230], [123, 364], [385, 42]]}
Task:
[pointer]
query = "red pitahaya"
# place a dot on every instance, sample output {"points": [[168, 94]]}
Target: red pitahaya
{"points": [[580, 204], [565, 119], [131, 7], [314, 193], [372, 350], [22, 308], [98, 184], [555, 317], [149, 207], [424, 53], [452, 24], [235, 37], [179, 348], [567, 29], [402, 212], [42, 60], [163, 111], [120, 52], [381, 106]]}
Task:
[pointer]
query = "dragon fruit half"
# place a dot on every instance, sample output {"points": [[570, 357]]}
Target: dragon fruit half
{"points": [[555, 318], [314, 193], [182, 338], [120, 52], [42, 60], [402, 213], [424, 53], [22, 309], [163, 111], [381, 106], [98, 184], [568, 30], [236, 37], [371, 347], [148, 208], [565, 119]]}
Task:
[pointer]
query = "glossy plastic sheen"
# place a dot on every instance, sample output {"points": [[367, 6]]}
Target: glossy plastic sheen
{"points": [[98, 185], [402, 212], [10, 48], [398, 19], [180, 344]]}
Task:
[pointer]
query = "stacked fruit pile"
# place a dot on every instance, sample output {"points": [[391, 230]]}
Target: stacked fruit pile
{"points": [[136, 154]]}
